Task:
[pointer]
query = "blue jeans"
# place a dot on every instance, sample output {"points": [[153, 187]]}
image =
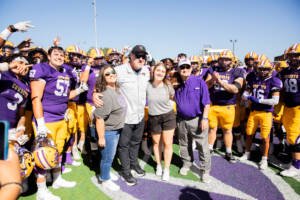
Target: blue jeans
{"points": [[108, 153]]}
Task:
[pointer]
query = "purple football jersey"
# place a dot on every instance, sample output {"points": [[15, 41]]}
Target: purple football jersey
{"points": [[13, 94], [263, 89], [218, 95], [91, 83], [291, 81], [56, 92]]}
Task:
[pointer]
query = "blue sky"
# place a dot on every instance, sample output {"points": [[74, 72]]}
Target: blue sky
{"points": [[165, 27]]}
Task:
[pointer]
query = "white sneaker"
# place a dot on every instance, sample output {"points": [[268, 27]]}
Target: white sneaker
{"points": [[75, 153], [65, 171], [60, 182], [184, 170], [291, 172], [113, 176], [46, 195], [159, 170], [76, 163], [263, 164], [245, 156], [110, 185], [166, 175], [80, 145], [205, 177]]}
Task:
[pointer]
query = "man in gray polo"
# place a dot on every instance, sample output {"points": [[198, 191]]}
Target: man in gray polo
{"points": [[133, 78]]}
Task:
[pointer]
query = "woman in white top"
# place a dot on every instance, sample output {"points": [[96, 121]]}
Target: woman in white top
{"points": [[162, 119]]}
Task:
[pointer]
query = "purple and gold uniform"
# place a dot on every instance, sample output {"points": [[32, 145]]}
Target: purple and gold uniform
{"points": [[291, 98], [262, 114], [13, 95], [55, 99], [222, 110], [89, 105]]}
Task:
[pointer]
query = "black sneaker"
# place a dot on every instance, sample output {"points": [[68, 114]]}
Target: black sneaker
{"points": [[229, 157], [128, 178], [138, 171]]}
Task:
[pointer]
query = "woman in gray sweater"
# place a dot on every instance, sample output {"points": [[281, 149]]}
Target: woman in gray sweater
{"points": [[109, 122]]}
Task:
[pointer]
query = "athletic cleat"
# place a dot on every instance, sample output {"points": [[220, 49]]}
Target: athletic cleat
{"points": [[46, 195], [60, 182], [263, 164], [291, 172]]}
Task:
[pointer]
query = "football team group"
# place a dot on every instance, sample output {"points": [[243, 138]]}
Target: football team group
{"points": [[62, 103]]}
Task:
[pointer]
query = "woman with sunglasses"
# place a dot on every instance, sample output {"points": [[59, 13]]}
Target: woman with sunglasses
{"points": [[109, 122], [162, 119]]}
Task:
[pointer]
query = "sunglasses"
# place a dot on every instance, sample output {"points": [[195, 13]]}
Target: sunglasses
{"points": [[110, 73], [185, 67], [141, 56], [264, 69]]}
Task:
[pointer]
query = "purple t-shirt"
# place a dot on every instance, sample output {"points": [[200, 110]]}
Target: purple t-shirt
{"points": [[218, 95], [91, 83], [263, 89], [203, 72], [56, 92], [291, 81], [13, 95], [191, 97]]}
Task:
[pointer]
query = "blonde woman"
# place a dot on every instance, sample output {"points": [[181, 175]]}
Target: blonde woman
{"points": [[162, 119]]}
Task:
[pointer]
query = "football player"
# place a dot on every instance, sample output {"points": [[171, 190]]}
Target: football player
{"points": [[224, 83], [291, 114], [50, 86], [263, 93]]}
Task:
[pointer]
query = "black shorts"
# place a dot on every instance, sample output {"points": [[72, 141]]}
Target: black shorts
{"points": [[163, 122]]}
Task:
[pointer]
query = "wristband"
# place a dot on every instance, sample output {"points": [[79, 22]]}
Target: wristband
{"points": [[20, 128], [5, 34], [204, 118], [13, 28], [40, 121]]}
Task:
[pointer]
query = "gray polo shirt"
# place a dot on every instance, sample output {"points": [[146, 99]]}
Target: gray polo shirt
{"points": [[159, 99], [113, 111], [133, 88]]}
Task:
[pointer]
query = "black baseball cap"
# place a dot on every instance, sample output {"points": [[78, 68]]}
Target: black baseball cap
{"points": [[139, 50]]}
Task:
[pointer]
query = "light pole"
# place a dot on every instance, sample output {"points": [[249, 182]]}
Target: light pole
{"points": [[233, 44], [95, 23]]}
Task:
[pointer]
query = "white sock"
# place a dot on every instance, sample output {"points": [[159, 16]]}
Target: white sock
{"points": [[210, 146], [228, 149], [41, 186], [264, 158], [247, 153]]}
